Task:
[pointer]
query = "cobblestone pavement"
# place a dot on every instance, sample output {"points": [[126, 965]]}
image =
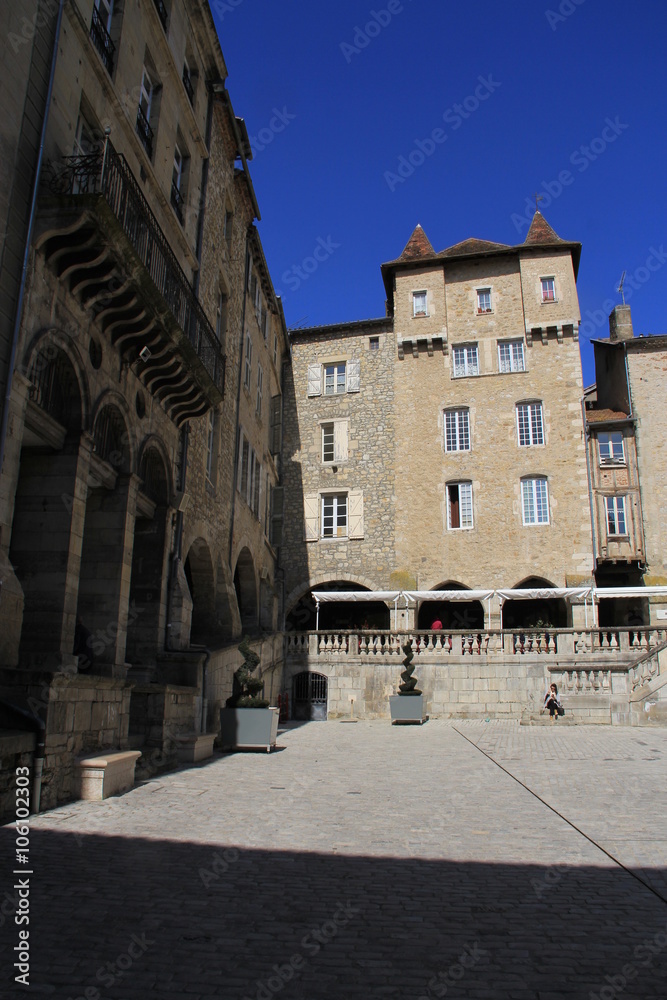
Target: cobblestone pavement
{"points": [[361, 861]]}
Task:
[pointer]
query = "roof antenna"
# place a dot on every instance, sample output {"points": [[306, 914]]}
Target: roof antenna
{"points": [[538, 197], [620, 287]]}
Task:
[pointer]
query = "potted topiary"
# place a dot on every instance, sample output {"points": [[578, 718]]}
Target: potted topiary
{"points": [[408, 704], [247, 722]]}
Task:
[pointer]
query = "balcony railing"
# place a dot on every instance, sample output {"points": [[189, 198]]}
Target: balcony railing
{"points": [[189, 89], [162, 12], [107, 173], [177, 201], [101, 39], [145, 132]]}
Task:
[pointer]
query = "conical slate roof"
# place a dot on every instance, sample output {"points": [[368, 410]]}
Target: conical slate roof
{"points": [[541, 232], [418, 246]]}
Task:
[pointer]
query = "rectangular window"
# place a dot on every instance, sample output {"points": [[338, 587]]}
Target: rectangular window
{"points": [[459, 505], [146, 95], [334, 515], [260, 384], [419, 303], [245, 464], [221, 317], [616, 516], [465, 361], [483, 300], [256, 483], [327, 442], [248, 362], [510, 356], [275, 349], [457, 430], [334, 379], [374, 344], [535, 501], [548, 289], [530, 424], [210, 436], [228, 228], [610, 444]]}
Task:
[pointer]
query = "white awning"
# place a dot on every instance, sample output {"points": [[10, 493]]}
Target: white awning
{"points": [[330, 596], [447, 595], [544, 593], [602, 592]]}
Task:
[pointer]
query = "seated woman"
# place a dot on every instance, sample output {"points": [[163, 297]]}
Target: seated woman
{"points": [[552, 702]]}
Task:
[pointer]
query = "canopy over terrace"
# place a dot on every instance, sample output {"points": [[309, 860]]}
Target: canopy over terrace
{"points": [[544, 594], [329, 596]]}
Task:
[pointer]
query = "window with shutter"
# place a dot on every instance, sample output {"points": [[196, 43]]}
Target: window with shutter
{"points": [[354, 376], [311, 516], [276, 424], [277, 516], [355, 514], [314, 380]]}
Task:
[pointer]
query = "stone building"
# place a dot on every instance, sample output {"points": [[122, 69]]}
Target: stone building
{"points": [[135, 536], [435, 471], [625, 422]]}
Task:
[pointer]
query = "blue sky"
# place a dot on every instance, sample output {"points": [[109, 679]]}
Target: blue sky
{"points": [[570, 103]]}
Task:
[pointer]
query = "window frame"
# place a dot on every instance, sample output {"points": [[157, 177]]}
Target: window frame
{"points": [[327, 434], [247, 376], [461, 486], [532, 407], [546, 297], [210, 444], [611, 459], [419, 314], [260, 390], [466, 348], [335, 367], [335, 500], [460, 415], [510, 345], [485, 291], [614, 516], [532, 481]]}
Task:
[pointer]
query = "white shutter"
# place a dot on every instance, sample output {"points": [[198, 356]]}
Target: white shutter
{"points": [[353, 376], [340, 441], [311, 516], [314, 380], [355, 514]]}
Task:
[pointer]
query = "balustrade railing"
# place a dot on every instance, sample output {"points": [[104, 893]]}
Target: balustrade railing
{"points": [[106, 172]]}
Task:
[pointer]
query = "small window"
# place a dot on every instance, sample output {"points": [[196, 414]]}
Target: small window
{"points": [[548, 289], [535, 501], [530, 424], [510, 356], [465, 361], [245, 461], [177, 199], [457, 430], [275, 349], [188, 82], [419, 303], [248, 362], [334, 379], [260, 386], [334, 515], [228, 228], [327, 442], [374, 344], [616, 516], [459, 505], [483, 300], [610, 444], [221, 317]]}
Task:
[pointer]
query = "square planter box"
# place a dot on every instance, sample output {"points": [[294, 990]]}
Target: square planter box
{"points": [[407, 708], [249, 728]]}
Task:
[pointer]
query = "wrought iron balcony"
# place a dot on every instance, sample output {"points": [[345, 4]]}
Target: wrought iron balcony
{"points": [[162, 12], [187, 83], [102, 40], [177, 201], [145, 132], [107, 256]]}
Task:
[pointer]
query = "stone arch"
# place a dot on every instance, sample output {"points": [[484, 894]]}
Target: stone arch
{"points": [[356, 582], [302, 615], [44, 348], [455, 615], [228, 617], [111, 421], [198, 567], [153, 467], [552, 611], [245, 585]]}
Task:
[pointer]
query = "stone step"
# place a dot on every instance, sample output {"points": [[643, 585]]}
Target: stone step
{"points": [[544, 719]]}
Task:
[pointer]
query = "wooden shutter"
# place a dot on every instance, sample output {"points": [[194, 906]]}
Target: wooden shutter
{"points": [[353, 376], [340, 441], [276, 424], [355, 514], [314, 380], [311, 516], [277, 516]]}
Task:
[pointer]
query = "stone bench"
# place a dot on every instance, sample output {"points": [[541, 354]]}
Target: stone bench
{"points": [[108, 774]]}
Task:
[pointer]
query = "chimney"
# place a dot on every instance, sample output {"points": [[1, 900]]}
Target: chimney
{"points": [[620, 324]]}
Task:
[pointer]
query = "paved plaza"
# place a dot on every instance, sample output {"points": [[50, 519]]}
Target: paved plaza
{"points": [[361, 860]]}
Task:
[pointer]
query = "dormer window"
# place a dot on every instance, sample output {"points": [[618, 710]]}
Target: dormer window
{"points": [[419, 304]]}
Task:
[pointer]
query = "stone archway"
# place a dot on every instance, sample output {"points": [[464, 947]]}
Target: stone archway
{"points": [[454, 615], [542, 612], [199, 574], [245, 585], [338, 614]]}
